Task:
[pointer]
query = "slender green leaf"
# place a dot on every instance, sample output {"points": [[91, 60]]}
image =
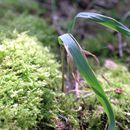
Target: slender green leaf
{"points": [[72, 47], [103, 20]]}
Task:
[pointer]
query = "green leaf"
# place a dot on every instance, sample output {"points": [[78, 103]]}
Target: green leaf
{"points": [[103, 20], [72, 47]]}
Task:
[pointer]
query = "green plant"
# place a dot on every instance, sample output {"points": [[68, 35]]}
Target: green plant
{"points": [[75, 51], [29, 77]]}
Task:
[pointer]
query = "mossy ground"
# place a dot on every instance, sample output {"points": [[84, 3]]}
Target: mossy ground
{"points": [[29, 72], [18, 16], [30, 79], [91, 114], [25, 70], [118, 85]]}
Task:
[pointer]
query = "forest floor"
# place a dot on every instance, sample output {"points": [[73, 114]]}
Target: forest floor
{"points": [[46, 20]]}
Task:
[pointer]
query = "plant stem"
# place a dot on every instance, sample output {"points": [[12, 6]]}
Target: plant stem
{"points": [[63, 66]]}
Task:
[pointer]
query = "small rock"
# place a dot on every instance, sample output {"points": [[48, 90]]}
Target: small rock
{"points": [[110, 64]]}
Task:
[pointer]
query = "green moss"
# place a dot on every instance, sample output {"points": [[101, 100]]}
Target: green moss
{"points": [[119, 79], [20, 6], [67, 109], [28, 72], [30, 79], [15, 15], [34, 26]]}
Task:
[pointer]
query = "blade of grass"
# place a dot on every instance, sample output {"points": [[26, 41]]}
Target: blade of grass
{"points": [[103, 20], [72, 47]]}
